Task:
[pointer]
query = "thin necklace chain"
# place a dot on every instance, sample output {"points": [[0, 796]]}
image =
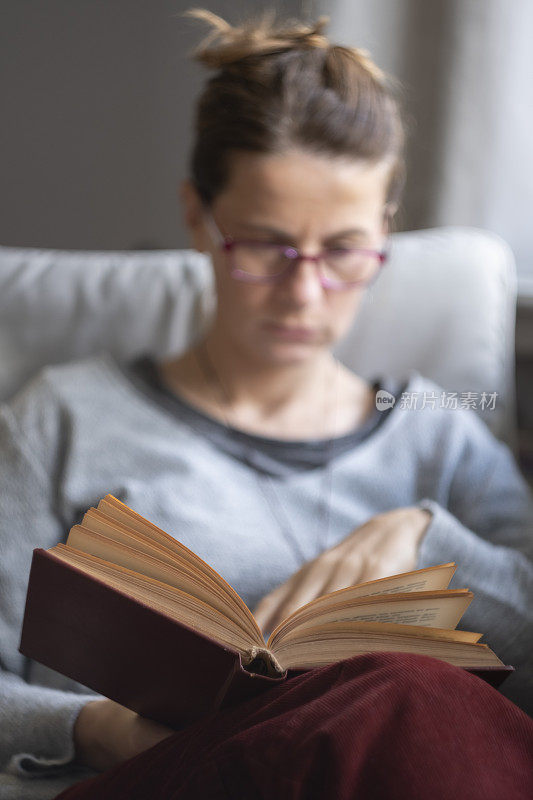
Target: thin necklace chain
{"points": [[264, 480]]}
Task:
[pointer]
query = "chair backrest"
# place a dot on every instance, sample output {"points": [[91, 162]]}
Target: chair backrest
{"points": [[444, 306]]}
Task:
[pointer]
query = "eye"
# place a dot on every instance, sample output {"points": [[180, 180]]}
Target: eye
{"points": [[341, 248]]}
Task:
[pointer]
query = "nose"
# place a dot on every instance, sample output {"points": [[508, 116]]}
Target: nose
{"points": [[302, 281]]}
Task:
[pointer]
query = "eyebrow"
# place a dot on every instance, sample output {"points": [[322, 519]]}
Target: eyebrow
{"points": [[287, 236]]}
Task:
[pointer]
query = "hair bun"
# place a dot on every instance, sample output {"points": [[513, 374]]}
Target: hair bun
{"points": [[227, 44]]}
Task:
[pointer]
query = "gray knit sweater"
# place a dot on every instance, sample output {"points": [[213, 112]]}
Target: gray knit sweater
{"points": [[83, 429]]}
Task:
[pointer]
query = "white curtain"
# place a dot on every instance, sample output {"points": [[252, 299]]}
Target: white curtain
{"points": [[467, 71]]}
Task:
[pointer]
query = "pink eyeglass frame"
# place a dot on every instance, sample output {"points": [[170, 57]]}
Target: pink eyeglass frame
{"points": [[227, 243]]}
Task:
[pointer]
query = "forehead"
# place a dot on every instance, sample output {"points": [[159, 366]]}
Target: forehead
{"points": [[298, 181]]}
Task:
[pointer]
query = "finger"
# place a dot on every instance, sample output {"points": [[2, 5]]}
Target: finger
{"points": [[347, 572], [308, 585], [140, 734], [152, 732], [266, 611], [384, 567]]}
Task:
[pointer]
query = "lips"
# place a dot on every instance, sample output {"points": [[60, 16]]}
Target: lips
{"points": [[291, 332]]}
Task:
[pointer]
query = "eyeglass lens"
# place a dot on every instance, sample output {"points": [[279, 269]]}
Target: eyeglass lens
{"points": [[340, 265]]}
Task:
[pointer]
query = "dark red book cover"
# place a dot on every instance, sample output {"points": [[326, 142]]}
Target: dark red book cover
{"points": [[123, 649], [138, 656]]}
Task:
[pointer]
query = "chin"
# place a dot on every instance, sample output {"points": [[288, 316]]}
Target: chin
{"points": [[289, 352]]}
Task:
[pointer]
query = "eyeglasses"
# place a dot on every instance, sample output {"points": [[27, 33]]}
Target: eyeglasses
{"points": [[266, 262]]}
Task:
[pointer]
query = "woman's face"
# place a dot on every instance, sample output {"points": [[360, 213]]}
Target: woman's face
{"points": [[312, 200]]}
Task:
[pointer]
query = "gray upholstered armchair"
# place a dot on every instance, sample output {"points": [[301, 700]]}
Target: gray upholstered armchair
{"points": [[444, 305]]}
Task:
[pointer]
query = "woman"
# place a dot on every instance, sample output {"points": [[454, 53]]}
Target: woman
{"points": [[270, 459]]}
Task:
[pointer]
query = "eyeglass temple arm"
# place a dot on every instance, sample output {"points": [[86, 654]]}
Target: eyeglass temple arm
{"points": [[213, 227]]}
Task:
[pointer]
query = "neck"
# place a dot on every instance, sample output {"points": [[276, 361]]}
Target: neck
{"points": [[265, 387]]}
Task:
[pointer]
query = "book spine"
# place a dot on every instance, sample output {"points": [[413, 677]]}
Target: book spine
{"points": [[245, 685]]}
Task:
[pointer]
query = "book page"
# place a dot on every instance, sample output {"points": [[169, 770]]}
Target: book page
{"points": [[421, 580], [440, 609], [125, 515], [181, 606], [350, 629], [327, 647], [134, 554]]}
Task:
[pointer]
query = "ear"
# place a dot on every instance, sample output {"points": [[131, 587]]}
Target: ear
{"points": [[193, 215], [389, 211]]}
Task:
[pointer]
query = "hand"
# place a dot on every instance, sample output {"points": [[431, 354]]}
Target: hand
{"points": [[387, 544], [106, 733]]}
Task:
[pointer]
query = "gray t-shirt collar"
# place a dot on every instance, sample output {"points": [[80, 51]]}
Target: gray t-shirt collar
{"points": [[269, 455]]}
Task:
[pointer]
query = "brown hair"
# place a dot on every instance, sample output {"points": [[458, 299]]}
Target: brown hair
{"points": [[281, 85]]}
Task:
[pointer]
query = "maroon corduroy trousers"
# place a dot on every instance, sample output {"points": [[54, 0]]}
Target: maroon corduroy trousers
{"points": [[373, 727]]}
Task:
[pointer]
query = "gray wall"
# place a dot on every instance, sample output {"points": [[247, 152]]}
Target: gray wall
{"points": [[96, 100]]}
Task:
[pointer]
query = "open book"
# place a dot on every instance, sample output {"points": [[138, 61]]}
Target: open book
{"points": [[130, 612]]}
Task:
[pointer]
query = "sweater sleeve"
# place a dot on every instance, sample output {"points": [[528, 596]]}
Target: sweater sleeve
{"points": [[36, 722], [36, 727], [487, 529]]}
